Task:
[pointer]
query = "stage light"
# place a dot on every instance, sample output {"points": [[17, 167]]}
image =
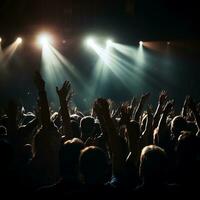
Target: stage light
{"points": [[141, 43], [0, 39], [109, 42], [90, 42], [19, 40], [44, 39]]}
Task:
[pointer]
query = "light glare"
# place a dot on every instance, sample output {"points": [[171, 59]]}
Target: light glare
{"points": [[109, 42], [90, 42], [44, 39], [141, 43], [19, 40]]}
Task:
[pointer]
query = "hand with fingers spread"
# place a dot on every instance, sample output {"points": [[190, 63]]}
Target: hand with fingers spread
{"points": [[65, 92], [140, 106], [65, 95], [190, 103], [168, 106], [162, 97]]}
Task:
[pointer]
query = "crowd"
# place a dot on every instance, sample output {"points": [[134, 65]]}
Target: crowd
{"points": [[129, 149]]}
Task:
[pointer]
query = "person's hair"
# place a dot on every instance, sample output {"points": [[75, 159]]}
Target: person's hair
{"points": [[93, 165], [188, 147], [188, 162], [75, 129], [153, 164], [69, 158], [87, 127], [178, 124]]}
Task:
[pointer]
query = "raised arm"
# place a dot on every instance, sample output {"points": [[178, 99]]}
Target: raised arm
{"points": [[162, 125], [118, 159], [140, 107], [184, 107], [162, 99], [192, 106], [43, 101], [147, 135], [64, 96]]}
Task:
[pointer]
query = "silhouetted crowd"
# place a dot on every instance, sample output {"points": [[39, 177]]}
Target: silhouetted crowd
{"points": [[124, 150]]}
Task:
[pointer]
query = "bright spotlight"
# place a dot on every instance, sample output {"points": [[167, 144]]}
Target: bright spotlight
{"points": [[90, 42], [109, 42], [0, 39], [44, 39], [141, 43], [19, 40]]}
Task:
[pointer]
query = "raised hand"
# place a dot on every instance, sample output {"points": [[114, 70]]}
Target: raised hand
{"points": [[65, 91], [101, 108], [162, 97], [168, 106], [65, 95], [190, 103], [140, 106], [125, 114]]}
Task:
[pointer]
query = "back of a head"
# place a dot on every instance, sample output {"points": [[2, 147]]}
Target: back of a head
{"points": [[93, 165], [87, 127], [75, 129], [69, 158], [188, 159], [153, 164], [178, 124], [188, 147]]}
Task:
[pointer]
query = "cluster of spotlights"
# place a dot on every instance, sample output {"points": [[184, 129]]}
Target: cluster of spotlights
{"points": [[90, 42], [44, 39]]}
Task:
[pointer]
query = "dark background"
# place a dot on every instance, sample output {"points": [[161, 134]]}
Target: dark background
{"points": [[127, 21]]}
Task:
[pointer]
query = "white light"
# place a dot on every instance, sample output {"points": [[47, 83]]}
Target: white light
{"points": [[109, 42], [90, 42], [44, 39], [19, 40], [0, 39], [141, 43], [168, 43]]}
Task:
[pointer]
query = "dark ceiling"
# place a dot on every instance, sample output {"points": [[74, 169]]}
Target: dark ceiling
{"points": [[157, 19]]}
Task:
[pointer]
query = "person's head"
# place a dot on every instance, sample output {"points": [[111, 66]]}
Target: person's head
{"points": [[75, 129], [47, 141], [87, 127], [56, 119], [153, 164], [178, 124], [188, 158], [93, 165], [69, 158]]}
